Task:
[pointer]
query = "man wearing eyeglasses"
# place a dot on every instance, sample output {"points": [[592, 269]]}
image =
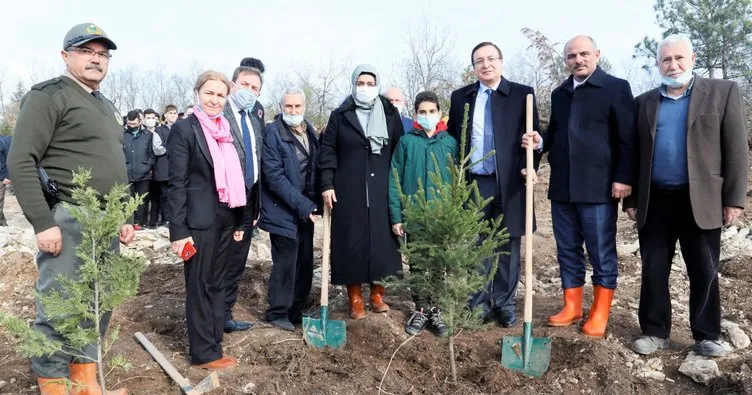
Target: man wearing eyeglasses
{"points": [[63, 124], [497, 115]]}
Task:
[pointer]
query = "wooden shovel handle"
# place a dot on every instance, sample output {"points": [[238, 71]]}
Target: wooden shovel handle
{"points": [[529, 214], [325, 256]]}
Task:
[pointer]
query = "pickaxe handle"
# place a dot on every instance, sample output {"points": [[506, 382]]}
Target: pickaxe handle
{"points": [[164, 363]]}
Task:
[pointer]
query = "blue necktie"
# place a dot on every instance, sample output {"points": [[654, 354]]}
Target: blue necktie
{"points": [[249, 165], [489, 165]]}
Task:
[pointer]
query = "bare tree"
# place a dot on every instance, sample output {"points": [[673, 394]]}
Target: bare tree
{"points": [[428, 63], [39, 72], [526, 68], [324, 84]]}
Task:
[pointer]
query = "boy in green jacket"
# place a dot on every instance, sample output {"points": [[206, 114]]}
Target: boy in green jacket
{"points": [[413, 161]]}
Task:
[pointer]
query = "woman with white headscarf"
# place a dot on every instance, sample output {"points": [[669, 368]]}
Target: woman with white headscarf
{"points": [[356, 150]]}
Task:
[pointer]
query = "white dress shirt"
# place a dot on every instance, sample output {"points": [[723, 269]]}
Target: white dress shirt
{"points": [[479, 119], [239, 119]]}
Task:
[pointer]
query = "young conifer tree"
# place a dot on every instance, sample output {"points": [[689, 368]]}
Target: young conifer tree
{"points": [[106, 280], [447, 239]]}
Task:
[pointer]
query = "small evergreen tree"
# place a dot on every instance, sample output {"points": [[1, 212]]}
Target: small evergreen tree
{"points": [[106, 280], [448, 239]]}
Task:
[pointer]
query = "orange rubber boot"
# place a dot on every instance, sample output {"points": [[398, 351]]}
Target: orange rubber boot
{"points": [[84, 380], [598, 317], [572, 310], [377, 299], [357, 306], [52, 386]]}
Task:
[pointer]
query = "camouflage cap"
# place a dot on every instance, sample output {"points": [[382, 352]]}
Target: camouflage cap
{"points": [[85, 32]]}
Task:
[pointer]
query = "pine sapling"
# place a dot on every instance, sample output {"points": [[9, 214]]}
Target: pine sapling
{"points": [[105, 280], [447, 239]]}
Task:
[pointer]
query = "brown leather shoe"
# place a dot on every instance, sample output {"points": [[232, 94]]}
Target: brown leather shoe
{"points": [[222, 363], [597, 321], [84, 380], [52, 386], [357, 306], [377, 299], [572, 310]]}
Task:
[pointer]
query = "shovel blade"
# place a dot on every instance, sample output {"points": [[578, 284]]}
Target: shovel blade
{"points": [[210, 383], [321, 333], [526, 354]]}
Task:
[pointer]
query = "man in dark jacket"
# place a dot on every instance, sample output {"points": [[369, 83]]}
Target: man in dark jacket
{"points": [[161, 167], [155, 188], [288, 204], [4, 149], [139, 160], [591, 145], [245, 128], [497, 116]]}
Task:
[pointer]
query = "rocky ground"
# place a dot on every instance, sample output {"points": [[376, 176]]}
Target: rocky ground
{"points": [[277, 362]]}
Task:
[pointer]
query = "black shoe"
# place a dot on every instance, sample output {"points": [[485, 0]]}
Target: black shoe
{"points": [[151, 227], [163, 223], [438, 323], [284, 324], [506, 319], [297, 319], [416, 323], [237, 326]]}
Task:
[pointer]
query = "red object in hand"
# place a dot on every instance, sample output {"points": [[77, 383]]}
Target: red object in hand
{"points": [[188, 251]]}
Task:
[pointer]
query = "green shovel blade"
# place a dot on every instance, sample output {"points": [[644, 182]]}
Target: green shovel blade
{"points": [[321, 333], [526, 354]]}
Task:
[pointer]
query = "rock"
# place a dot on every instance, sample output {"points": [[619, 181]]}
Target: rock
{"points": [[12, 380], [655, 364], [735, 334], [731, 231], [248, 388], [651, 374], [699, 369], [263, 253], [2, 384], [741, 235], [161, 244]]}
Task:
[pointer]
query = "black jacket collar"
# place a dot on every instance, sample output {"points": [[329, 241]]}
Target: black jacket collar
{"points": [[597, 79]]}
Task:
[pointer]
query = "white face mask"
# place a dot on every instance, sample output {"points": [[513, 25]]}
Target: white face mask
{"points": [[150, 123], [366, 94], [400, 107], [428, 121], [292, 120], [679, 81]]}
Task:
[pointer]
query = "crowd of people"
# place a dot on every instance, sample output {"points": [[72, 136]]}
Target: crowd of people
{"points": [[676, 157]]}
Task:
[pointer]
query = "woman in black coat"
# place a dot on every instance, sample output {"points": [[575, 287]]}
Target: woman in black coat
{"points": [[355, 157], [207, 200]]}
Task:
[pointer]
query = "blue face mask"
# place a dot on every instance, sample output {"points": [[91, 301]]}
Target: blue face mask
{"points": [[428, 121], [244, 98], [677, 82]]}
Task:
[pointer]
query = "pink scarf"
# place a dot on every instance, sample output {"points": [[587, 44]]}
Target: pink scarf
{"points": [[228, 175]]}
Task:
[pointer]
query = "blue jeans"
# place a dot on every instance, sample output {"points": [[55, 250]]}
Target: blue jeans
{"points": [[595, 226]]}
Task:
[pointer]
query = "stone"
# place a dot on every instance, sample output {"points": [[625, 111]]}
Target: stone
{"points": [[249, 388], [699, 369], [741, 235], [2, 384], [652, 375], [738, 338], [161, 244]]}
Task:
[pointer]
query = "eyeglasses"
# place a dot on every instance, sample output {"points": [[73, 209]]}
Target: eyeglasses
{"points": [[482, 61], [104, 55]]}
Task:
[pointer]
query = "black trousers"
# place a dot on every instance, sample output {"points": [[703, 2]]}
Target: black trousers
{"points": [[669, 218], [204, 288], [292, 274], [157, 199], [499, 294], [239, 255], [141, 188]]}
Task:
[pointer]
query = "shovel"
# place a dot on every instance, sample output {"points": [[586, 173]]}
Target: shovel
{"points": [[210, 383], [323, 332], [527, 354]]}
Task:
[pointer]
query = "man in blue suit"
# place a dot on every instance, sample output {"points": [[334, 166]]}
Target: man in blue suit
{"points": [[496, 119], [591, 145]]}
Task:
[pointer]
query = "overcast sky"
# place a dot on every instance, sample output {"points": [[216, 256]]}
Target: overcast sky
{"points": [[217, 34]]}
